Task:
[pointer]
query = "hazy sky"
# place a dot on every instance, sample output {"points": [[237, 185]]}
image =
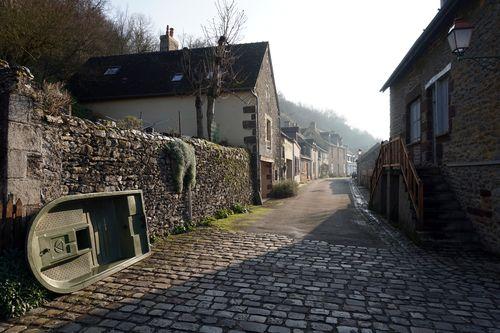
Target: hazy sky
{"points": [[330, 54]]}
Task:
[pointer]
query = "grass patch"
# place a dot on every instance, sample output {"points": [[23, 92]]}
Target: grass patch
{"points": [[233, 222], [19, 290]]}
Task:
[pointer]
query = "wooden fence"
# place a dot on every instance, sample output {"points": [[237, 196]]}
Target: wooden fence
{"points": [[13, 225]]}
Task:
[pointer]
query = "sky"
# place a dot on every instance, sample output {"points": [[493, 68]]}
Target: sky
{"points": [[334, 55]]}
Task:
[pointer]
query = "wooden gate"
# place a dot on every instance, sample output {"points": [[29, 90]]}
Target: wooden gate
{"points": [[12, 225]]}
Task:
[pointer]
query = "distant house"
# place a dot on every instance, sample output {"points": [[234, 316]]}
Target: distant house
{"points": [[331, 142], [308, 154], [291, 158], [351, 163], [445, 117], [152, 87]]}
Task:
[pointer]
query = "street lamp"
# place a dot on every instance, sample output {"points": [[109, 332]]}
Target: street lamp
{"points": [[459, 37]]}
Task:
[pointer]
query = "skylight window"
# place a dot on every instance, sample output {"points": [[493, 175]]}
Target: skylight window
{"points": [[177, 77], [112, 70]]}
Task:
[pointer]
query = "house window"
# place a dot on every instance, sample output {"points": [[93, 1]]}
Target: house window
{"points": [[440, 106], [177, 77], [414, 121], [112, 70], [268, 133]]}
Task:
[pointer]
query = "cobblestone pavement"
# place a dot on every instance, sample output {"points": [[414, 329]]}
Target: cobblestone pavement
{"points": [[214, 281]]}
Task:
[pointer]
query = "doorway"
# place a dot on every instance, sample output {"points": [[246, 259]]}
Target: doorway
{"points": [[266, 178]]}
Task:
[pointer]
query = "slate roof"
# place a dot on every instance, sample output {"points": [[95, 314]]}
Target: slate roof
{"points": [[444, 16], [150, 74], [315, 135]]}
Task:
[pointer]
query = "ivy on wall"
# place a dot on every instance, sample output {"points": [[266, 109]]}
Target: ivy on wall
{"points": [[183, 160]]}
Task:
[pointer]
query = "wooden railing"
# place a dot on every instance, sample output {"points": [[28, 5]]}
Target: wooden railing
{"points": [[393, 154], [12, 225]]}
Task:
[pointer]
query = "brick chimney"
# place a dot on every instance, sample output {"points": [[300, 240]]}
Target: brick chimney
{"points": [[167, 41]]}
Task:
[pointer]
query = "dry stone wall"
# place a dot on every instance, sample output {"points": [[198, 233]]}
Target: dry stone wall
{"points": [[51, 156]]}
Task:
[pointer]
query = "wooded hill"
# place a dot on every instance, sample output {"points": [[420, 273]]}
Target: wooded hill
{"points": [[303, 115]]}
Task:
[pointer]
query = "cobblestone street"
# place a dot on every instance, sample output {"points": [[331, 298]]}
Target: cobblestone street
{"points": [[215, 281]]}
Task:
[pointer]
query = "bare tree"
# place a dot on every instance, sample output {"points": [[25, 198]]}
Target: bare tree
{"points": [[195, 72], [135, 33], [192, 42], [223, 30], [54, 38]]}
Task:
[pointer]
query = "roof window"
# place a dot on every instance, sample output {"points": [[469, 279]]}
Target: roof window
{"points": [[112, 70], [177, 77]]}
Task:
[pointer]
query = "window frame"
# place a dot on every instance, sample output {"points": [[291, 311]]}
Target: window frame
{"points": [[415, 123], [269, 132], [441, 106], [112, 70]]}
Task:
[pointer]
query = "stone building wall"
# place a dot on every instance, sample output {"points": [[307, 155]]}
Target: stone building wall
{"points": [[268, 105], [51, 156], [366, 164], [469, 154]]}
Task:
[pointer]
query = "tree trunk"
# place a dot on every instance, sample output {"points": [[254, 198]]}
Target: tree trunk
{"points": [[199, 115], [210, 116]]}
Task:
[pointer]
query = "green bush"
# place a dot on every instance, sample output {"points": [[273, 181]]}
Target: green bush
{"points": [[285, 189], [207, 221], [19, 290], [183, 160], [223, 213], [240, 209]]}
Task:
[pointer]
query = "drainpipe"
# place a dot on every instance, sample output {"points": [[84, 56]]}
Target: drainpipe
{"points": [[257, 194]]}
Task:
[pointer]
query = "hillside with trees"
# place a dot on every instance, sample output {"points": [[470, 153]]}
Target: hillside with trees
{"points": [[326, 121], [54, 38]]}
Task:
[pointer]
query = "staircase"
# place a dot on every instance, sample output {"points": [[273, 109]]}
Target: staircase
{"points": [[445, 222], [440, 219]]}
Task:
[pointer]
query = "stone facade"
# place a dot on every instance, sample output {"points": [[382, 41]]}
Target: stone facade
{"points": [[366, 164], [51, 156], [268, 109], [469, 153]]}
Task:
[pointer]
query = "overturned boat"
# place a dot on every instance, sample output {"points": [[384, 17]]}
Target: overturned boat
{"points": [[77, 240]]}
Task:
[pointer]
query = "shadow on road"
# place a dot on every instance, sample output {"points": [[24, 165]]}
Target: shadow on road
{"points": [[251, 282]]}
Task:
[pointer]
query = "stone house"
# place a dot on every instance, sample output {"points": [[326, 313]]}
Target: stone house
{"points": [[338, 154], [153, 87], [351, 166], [330, 142], [291, 158], [323, 162], [445, 112]]}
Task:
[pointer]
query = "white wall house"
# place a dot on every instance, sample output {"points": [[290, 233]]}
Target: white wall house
{"points": [[154, 87]]}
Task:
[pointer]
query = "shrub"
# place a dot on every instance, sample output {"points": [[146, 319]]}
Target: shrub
{"points": [[223, 213], [285, 189], [19, 290], [183, 228], [207, 221], [183, 160], [239, 209], [130, 122], [53, 99]]}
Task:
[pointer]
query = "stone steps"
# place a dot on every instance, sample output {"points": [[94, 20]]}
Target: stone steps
{"points": [[444, 220]]}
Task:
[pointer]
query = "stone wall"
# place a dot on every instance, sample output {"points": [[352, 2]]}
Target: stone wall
{"points": [[469, 154], [51, 156], [366, 164]]}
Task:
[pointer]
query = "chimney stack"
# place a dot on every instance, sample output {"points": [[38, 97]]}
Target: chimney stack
{"points": [[167, 41]]}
